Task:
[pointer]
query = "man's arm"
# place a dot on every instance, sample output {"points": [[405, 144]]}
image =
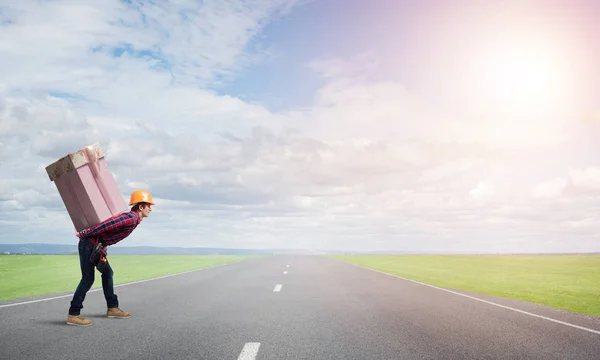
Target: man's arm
{"points": [[108, 225], [115, 236]]}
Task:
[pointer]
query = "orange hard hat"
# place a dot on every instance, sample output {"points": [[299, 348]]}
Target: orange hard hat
{"points": [[140, 196]]}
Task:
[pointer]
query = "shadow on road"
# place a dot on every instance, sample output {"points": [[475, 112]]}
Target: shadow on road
{"points": [[55, 322], [63, 322], [96, 316]]}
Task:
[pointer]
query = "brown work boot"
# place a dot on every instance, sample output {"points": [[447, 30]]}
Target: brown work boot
{"points": [[78, 320], [117, 313]]}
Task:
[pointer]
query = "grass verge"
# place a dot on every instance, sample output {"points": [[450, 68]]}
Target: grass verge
{"points": [[32, 275], [567, 282]]}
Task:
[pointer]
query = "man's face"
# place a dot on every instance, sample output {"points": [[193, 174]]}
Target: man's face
{"points": [[145, 210]]}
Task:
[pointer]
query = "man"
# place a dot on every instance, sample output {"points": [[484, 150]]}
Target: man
{"points": [[108, 232]]}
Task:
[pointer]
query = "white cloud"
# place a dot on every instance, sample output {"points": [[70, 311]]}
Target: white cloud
{"points": [[371, 165], [550, 189], [482, 191], [587, 179], [198, 40]]}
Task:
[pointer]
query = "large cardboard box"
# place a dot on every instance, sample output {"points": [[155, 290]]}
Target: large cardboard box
{"points": [[86, 186]]}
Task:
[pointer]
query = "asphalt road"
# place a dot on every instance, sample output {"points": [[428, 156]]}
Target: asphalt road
{"points": [[320, 309]]}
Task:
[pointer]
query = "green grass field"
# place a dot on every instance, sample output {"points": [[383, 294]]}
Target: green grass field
{"points": [[568, 282], [30, 275]]}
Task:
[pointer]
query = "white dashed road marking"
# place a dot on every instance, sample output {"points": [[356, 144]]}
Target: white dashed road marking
{"points": [[277, 288], [249, 351]]}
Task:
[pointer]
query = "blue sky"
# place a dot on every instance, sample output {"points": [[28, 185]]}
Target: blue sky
{"points": [[382, 125], [326, 29]]}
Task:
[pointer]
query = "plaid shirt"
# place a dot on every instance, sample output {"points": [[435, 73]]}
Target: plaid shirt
{"points": [[113, 229]]}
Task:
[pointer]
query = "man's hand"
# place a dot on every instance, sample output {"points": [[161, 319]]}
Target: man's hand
{"points": [[80, 234], [101, 264]]}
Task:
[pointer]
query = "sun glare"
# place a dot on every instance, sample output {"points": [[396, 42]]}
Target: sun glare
{"points": [[517, 74], [519, 78], [522, 88]]}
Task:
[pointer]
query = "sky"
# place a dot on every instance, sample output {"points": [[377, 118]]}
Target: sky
{"points": [[383, 125]]}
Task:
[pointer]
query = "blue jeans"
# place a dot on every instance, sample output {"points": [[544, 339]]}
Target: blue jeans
{"points": [[88, 271]]}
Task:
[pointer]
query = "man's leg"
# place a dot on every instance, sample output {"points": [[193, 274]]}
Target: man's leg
{"points": [[86, 282], [112, 300]]}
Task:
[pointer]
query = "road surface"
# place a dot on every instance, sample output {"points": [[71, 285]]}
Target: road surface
{"points": [[294, 307]]}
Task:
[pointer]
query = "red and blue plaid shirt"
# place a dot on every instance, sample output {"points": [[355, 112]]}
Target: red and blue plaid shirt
{"points": [[113, 229]]}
